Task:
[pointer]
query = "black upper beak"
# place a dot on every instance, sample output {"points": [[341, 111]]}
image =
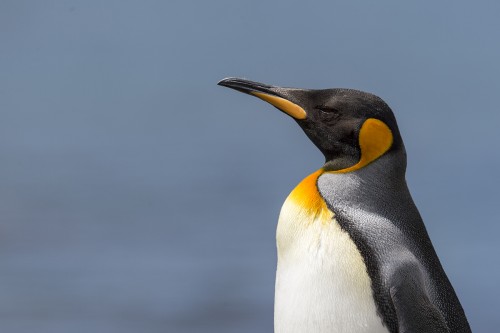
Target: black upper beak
{"points": [[278, 97], [247, 86]]}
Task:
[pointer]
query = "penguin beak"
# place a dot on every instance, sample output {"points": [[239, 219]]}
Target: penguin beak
{"points": [[275, 96]]}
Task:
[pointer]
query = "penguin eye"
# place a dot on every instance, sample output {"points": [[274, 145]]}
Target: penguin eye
{"points": [[327, 112], [328, 109]]}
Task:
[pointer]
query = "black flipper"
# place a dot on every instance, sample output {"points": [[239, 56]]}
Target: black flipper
{"points": [[414, 310]]}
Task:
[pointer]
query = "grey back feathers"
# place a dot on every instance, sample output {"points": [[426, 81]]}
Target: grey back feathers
{"points": [[410, 287]]}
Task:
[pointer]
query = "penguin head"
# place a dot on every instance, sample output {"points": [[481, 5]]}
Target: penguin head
{"points": [[351, 128]]}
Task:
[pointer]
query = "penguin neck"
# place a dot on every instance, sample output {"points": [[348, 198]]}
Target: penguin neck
{"points": [[390, 166], [382, 180]]}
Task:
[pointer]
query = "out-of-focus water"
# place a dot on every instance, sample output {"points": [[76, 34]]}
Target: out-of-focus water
{"points": [[137, 196]]}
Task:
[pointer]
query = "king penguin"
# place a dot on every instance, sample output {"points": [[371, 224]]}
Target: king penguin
{"points": [[353, 253]]}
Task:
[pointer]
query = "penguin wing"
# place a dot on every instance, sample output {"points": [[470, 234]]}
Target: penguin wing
{"points": [[414, 310]]}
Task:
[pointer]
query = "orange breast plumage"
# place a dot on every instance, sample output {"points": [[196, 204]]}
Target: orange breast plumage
{"points": [[306, 201]]}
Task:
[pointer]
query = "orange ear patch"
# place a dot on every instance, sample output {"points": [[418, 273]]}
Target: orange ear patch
{"points": [[375, 138]]}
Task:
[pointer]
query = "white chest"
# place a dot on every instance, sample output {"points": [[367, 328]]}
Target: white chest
{"points": [[321, 281]]}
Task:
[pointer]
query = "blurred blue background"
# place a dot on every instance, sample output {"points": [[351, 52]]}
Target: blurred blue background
{"points": [[138, 196]]}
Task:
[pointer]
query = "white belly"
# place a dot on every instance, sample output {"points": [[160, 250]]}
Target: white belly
{"points": [[321, 281]]}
